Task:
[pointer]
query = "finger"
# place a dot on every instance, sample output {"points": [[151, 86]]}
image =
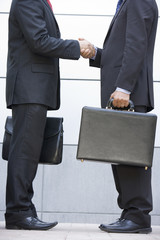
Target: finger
{"points": [[126, 103], [82, 51], [86, 55], [115, 102], [85, 52], [81, 39]]}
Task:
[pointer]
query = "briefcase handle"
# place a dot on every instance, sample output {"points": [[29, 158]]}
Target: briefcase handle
{"points": [[129, 108]]}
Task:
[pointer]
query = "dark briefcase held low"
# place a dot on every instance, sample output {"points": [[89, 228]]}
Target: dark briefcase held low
{"points": [[120, 137], [52, 147]]}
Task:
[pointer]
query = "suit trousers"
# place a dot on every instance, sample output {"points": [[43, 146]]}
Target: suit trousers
{"points": [[134, 188], [28, 129]]}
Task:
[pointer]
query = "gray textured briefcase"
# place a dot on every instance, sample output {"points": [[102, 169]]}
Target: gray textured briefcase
{"points": [[120, 137]]}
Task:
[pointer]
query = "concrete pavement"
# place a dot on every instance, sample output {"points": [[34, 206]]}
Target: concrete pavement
{"points": [[71, 231]]}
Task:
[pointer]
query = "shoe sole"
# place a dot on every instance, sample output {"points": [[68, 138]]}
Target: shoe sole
{"points": [[14, 227], [141, 231]]}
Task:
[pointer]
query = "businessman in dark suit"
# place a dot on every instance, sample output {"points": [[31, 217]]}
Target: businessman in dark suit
{"points": [[32, 88], [126, 63]]}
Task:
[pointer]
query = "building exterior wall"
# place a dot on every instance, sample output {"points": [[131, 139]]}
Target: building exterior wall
{"points": [[75, 191]]}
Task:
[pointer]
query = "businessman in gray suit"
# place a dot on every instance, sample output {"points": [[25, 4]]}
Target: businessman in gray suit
{"points": [[126, 63], [32, 88]]}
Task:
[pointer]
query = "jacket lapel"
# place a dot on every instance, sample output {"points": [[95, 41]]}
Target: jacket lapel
{"points": [[45, 2], [114, 18]]}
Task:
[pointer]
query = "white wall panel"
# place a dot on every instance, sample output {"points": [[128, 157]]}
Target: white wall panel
{"points": [[74, 96], [74, 6], [78, 69], [102, 7], [158, 3], [93, 29], [5, 5], [3, 43], [3, 111]]}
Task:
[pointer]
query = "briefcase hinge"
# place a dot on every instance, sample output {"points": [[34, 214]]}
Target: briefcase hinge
{"points": [[146, 168]]}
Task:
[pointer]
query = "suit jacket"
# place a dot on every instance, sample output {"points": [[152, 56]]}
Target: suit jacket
{"points": [[126, 60], [34, 50]]}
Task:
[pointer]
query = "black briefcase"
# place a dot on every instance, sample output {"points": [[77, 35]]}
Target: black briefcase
{"points": [[120, 137], [52, 147]]}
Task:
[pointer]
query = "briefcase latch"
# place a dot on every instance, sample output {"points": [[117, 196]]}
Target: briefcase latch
{"points": [[82, 160]]}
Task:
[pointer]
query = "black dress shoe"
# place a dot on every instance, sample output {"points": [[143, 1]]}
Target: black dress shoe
{"points": [[125, 226], [31, 223]]}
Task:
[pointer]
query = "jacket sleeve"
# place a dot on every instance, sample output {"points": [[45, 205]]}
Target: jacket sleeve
{"points": [[30, 17], [97, 61], [140, 16]]}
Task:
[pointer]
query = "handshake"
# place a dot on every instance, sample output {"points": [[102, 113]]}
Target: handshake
{"points": [[87, 49]]}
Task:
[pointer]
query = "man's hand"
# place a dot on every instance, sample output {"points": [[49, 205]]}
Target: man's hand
{"points": [[87, 49], [120, 99]]}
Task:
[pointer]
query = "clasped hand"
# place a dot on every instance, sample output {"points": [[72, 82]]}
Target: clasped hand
{"points": [[120, 99], [87, 49]]}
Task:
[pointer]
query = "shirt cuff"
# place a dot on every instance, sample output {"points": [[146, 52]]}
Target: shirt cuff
{"points": [[123, 90], [93, 58]]}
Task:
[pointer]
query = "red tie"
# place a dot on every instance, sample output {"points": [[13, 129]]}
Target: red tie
{"points": [[49, 3]]}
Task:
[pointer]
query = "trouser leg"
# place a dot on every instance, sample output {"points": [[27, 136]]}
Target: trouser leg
{"points": [[134, 188], [135, 197], [28, 129]]}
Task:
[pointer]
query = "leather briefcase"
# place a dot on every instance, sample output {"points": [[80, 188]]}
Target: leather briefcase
{"points": [[52, 147], [120, 137]]}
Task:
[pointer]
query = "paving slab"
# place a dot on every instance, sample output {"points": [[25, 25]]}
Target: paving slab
{"points": [[74, 231]]}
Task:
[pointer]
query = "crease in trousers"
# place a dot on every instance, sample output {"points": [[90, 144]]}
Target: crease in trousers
{"points": [[28, 130]]}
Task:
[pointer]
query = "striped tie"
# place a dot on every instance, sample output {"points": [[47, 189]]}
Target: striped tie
{"points": [[118, 5]]}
